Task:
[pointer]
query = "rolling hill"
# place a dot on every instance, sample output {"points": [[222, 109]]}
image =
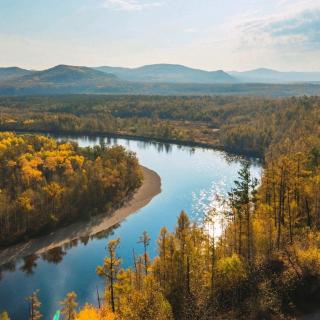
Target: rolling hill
{"points": [[13, 73], [168, 73], [64, 79], [56, 80], [263, 75], [62, 74]]}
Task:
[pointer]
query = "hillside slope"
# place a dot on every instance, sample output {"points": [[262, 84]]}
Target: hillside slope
{"points": [[56, 80], [273, 76], [13, 73], [170, 73]]}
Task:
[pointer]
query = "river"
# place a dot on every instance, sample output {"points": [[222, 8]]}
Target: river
{"points": [[191, 178]]}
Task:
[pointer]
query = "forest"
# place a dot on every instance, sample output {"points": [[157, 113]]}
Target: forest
{"points": [[240, 124], [265, 265], [45, 183]]}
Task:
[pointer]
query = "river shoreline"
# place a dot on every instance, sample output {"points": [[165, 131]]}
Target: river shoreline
{"points": [[150, 188], [187, 143]]}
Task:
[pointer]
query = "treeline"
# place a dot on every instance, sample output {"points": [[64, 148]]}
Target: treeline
{"points": [[45, 183], [241, 124], [279, 130]]}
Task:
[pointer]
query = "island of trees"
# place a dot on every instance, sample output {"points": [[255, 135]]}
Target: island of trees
{"points": [[45, 183]]}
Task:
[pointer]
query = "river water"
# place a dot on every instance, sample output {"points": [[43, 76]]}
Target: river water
{"points": [[191, 177]]}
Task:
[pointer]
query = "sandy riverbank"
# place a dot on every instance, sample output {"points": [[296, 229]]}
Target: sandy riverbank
{"points": [[150, 188]]}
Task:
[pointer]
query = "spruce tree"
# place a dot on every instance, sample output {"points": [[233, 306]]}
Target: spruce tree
{"points": [[34, 306], [69, 305]]}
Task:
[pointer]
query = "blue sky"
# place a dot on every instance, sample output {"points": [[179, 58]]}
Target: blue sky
{"points": [[208, 34]]}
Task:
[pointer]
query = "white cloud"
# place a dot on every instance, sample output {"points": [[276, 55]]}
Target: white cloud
{"points": [[296, 27], [288, 39], [289, 7], [131, 5]]}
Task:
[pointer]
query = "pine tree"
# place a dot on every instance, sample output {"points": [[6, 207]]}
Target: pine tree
{"points": [[69, 305], [145, 240], [241, 197], [110, 269], [34, 306]]}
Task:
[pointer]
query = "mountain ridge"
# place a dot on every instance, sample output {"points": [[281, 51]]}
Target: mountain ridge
{"points": [[60, 78], [66, 79], [63, 72], [168, 73], [265, 75], [7, 73]]}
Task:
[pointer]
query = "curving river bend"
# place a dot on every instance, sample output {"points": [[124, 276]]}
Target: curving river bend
{"points": [[191, 178]]}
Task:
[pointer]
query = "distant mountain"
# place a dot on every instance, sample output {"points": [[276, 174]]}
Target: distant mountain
{"points": [[59, 79], [168, 73], [62, 74], [13, 73], [263, 75], [64, 79]]}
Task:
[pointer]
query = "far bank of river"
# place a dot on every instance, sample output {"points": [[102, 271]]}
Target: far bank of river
{"points": [[134, 137]]}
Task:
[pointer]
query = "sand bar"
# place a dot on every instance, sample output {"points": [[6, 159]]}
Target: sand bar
{"points": [[150, 188]]}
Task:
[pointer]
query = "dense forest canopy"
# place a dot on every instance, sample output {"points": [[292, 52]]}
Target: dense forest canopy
{"points": [[242, 124], [45, 183]]}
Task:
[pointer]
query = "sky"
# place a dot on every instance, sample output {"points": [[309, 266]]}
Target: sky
{"points": [[232, 35]]}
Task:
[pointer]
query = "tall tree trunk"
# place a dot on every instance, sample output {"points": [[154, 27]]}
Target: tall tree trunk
{"points": [[290, 219], [111, 286], [309, 221], [248, 233], [240, 235]]}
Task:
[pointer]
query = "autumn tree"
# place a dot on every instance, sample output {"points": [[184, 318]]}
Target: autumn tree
{"points": [[34, 306], [69, 305], [241, 198], [4, 316], [110, 269], [145, 240], [45, 183]]}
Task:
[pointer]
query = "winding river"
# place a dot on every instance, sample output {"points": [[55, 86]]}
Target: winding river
{"points": [[191, 178]]}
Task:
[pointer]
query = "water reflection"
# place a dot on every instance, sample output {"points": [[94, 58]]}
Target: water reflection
{"points": [[9, 266], [56, 255], [158, 145], [28, 264], [161, 147], [146, 143]]}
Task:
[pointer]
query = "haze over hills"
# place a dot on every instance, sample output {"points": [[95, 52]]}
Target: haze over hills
{"points": [[64, 73], [161, 79], [172, 73], [169, 73], [59, 79], [13, 73], [263, 75]]}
